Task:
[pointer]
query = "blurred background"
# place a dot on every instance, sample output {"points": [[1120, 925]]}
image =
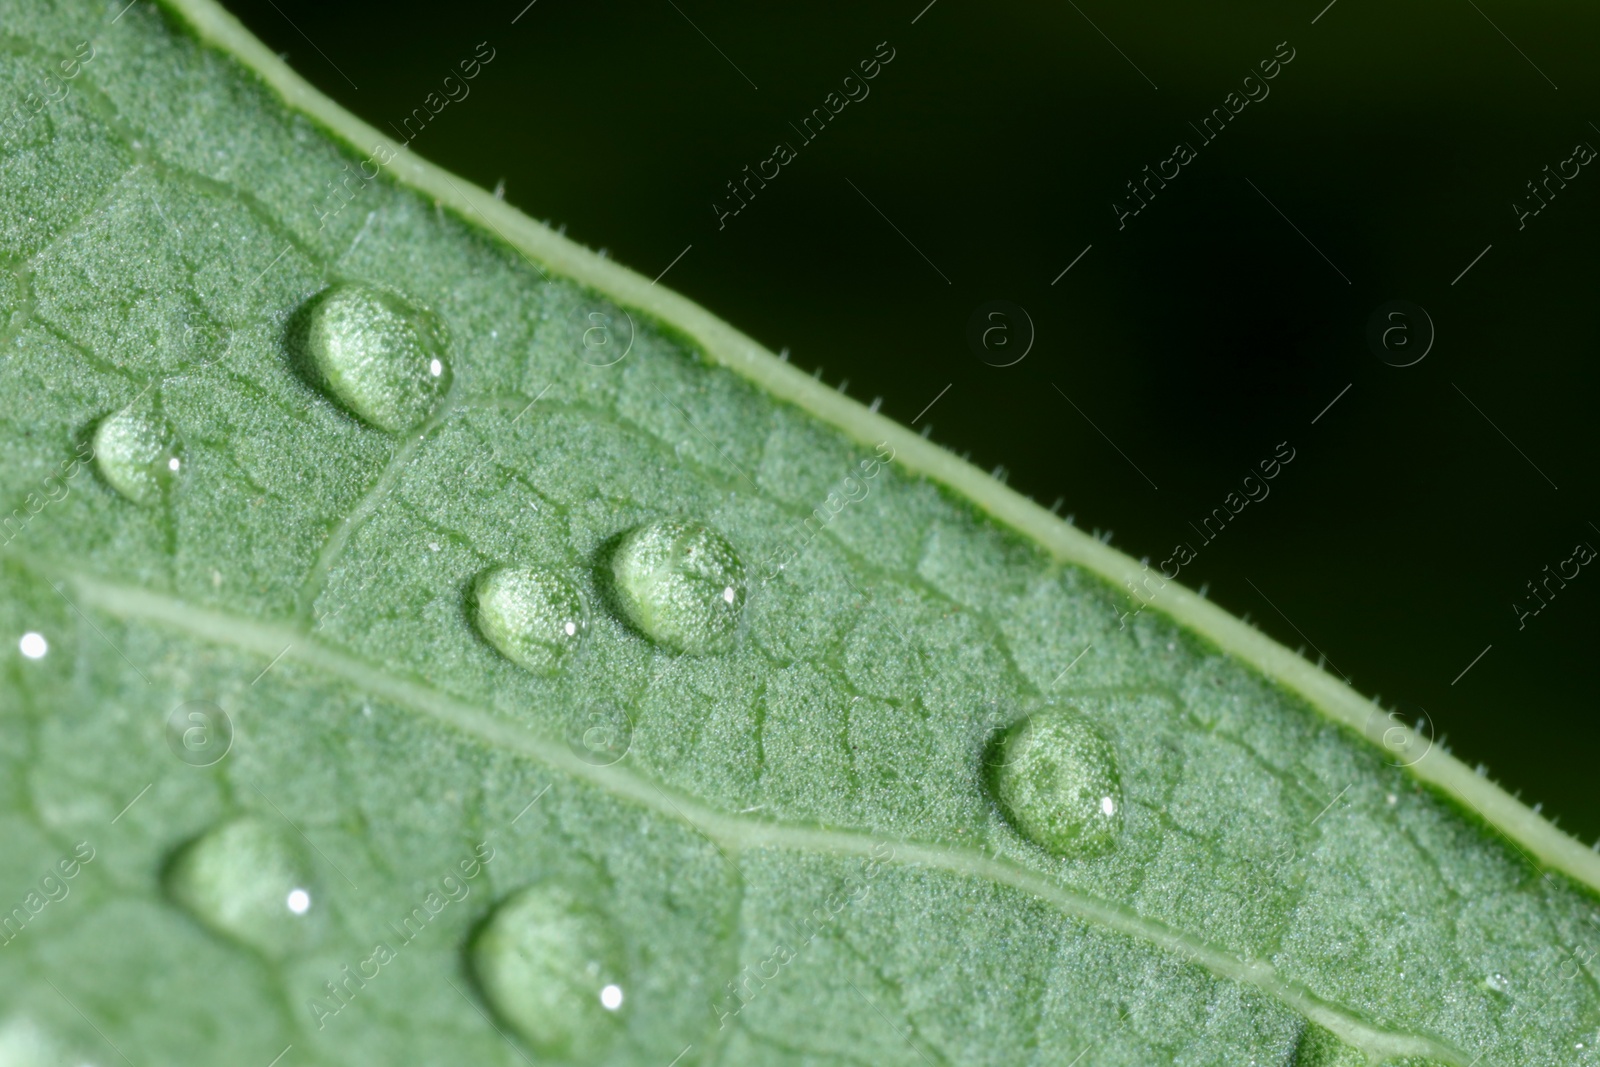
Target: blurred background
{"points": [[1182, 327]]}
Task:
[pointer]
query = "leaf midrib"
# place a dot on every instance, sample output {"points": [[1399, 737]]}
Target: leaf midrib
{"points": [[722, 829]]}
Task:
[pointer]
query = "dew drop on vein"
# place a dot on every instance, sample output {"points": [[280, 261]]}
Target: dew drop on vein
{"points": [[138, 453], [536, 618], [381, 357], [681, 584], [549, 964], [248, 880], [1057, 781]]}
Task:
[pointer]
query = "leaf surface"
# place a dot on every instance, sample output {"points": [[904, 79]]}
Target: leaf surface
{"points": [[788, 850]]}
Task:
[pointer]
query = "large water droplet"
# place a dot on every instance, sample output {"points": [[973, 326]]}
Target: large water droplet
{"points": [[380, 356], [1057, 780], [248, 880], [534, 617], [550, 965], [680, 584], [138, 453]]}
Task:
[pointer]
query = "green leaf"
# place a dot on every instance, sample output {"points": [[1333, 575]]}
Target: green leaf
{"points": [[496, 658]]}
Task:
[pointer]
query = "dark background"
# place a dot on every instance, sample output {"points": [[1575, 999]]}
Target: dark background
{"points": [[1196, 338]]}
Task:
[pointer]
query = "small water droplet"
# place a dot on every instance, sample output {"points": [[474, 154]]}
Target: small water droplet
{"points": [[680, 584], [548, 963], [380, 356], [536, 618], [245, 879], [138, 453], [1057, 780], [1498, 982], [33, 645]]}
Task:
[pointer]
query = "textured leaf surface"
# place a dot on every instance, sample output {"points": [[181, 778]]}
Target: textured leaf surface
{"points": [[806, 816]]}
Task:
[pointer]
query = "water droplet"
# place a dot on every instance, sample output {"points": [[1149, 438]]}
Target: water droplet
{"points": [[547, 962], [1057, 780], [536, 618], [245, 879], [680, 584], [1498, 982], [33, 645], [380, 356], [138, 453]]}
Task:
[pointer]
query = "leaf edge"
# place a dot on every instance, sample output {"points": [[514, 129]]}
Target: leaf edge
{"points": [[1479, 797]]}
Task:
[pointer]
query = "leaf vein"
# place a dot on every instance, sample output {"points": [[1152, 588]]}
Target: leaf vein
{"points": [[732, 831]]}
